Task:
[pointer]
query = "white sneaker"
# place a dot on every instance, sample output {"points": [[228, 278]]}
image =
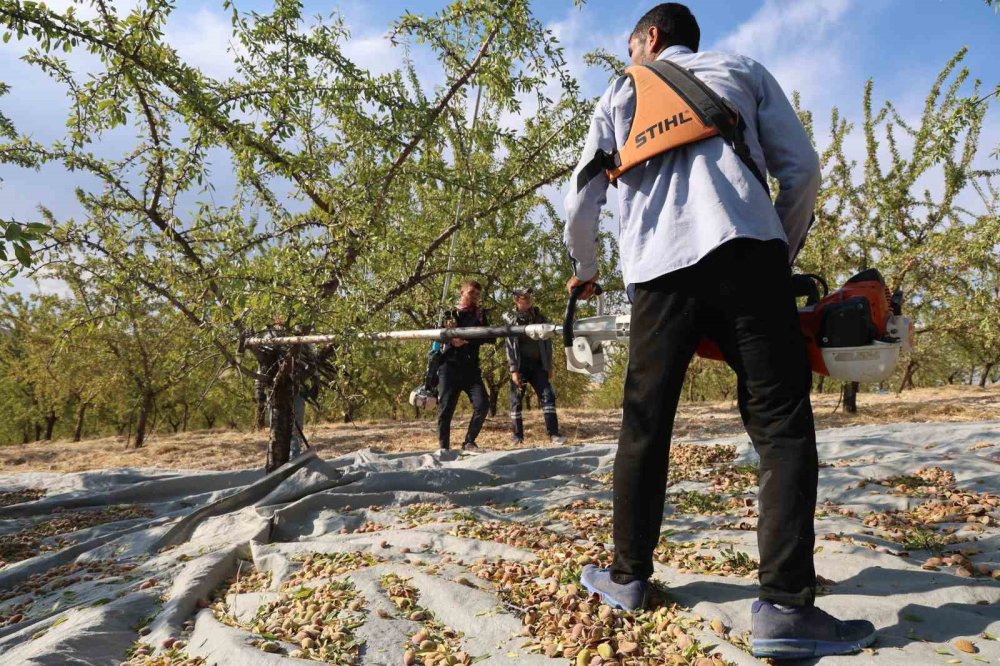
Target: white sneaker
{"points": [[557, 439]]}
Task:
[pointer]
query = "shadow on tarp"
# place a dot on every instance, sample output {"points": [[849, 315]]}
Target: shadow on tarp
{"points": [[916, 623]]}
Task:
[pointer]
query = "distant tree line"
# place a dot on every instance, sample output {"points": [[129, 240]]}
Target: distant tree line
{"points": [[355, 192]]}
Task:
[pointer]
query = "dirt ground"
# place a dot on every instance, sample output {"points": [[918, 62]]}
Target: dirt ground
{"points": [[228, 449]]}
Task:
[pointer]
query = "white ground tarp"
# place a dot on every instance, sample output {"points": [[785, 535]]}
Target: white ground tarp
{"points": [[198, 526]]}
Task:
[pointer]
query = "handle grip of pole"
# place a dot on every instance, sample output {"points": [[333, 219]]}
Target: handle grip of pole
{"points": [[567, 330]]}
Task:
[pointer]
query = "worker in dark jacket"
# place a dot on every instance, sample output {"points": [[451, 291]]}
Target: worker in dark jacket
{"points": [[530, 364], [460, 372]]}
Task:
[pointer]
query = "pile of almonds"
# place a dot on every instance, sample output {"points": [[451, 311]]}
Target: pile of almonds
{"points": [[953, 507], [689, 557], [504, 509], [423, 512], [520, 535], [693, 501], [247, 579], [700, 455], [320, 620], [965, 568], [562, 620], [732, 478], [142, 655], [432, 644], [605, 479], [21, 496], [925, 481], [369, 527], [582, 518], [54, 579], [328, 565], [27, 542]]}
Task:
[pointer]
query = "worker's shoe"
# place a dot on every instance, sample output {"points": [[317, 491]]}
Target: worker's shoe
{"points": [[470, 446], [805, 633], [557, 439], [630, 597], [517, 441]]}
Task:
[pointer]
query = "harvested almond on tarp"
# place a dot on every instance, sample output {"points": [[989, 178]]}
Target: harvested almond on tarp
{"points": [[966, 646]]}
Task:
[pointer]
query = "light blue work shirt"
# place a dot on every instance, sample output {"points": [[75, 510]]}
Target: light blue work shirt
{"points": [[682, 204]]}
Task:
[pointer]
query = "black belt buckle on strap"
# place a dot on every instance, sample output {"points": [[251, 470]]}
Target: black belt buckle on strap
{"points": [[602, 161]]}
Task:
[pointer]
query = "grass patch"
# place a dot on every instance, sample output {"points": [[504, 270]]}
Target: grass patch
{"points": [[693, 501], [922, 539]]}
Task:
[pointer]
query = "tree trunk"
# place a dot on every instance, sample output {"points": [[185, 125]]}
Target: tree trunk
{"points": [[260, 417], [78, 433], [851, 397], [283, 413], [38, 432], [50, 424], [985, 375], [144, 412], [972, 376], [185, 412], [907, 382]]}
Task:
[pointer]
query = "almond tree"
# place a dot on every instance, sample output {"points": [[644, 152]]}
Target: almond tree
{"points": [[347, 182]]}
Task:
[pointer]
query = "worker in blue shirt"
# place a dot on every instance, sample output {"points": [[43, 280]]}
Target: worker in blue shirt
{"points": [[706, 253]]}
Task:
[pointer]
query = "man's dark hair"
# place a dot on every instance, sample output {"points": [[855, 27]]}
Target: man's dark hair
{"points": [[674, 21]]}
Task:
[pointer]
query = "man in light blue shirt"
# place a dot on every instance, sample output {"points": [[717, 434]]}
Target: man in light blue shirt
{"points": [[705, 253]]}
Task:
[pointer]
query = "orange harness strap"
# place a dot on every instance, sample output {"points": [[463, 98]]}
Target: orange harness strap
{"points": [[673, 108]]}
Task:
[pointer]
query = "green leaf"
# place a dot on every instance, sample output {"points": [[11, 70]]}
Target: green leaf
{"points": [[23, 254], [303, 593]]}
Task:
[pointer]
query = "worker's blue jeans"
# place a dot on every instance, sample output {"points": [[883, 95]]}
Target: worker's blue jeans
{"points": [[537, 377]]}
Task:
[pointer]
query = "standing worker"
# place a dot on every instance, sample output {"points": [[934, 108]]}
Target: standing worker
{"points": [[459, 371], [705, 253], [530, 363]]}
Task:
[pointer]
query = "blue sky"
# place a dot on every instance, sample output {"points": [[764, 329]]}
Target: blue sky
{"points": [[825, 49]]}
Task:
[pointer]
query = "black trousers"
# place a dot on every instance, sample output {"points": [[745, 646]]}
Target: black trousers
{"points": [[536, 375], [739, 296], [453, 380]]}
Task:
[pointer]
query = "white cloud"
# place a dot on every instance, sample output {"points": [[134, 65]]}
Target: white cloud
{"points": [[801, 42], [373, 52], [202, 40], [783, 23]]}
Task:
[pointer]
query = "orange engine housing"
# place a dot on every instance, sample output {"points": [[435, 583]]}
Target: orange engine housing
{"points": [[811, 317]]}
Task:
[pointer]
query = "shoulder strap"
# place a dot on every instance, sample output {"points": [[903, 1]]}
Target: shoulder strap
{"points": [[712, 109]]}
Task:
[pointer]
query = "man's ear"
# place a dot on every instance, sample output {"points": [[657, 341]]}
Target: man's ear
{"points": [[655, 40]]}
